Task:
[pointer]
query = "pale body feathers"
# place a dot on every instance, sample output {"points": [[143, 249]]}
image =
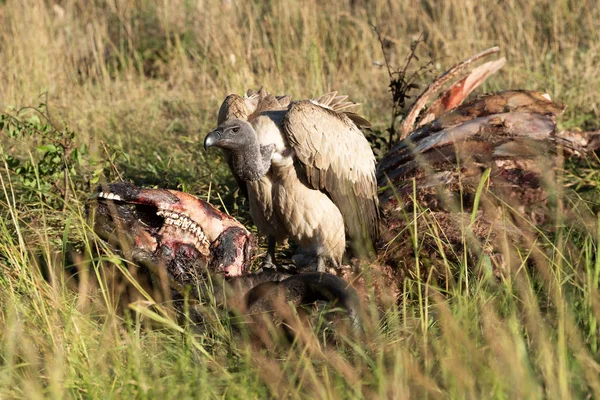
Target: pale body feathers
{"points": [[260, 201], [283, 199], [308, 215]]}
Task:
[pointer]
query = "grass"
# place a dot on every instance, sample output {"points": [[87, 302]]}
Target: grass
{"points": [[138, 83]]}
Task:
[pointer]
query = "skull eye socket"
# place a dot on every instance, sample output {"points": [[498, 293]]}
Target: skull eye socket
{"points": [[235, 129]]}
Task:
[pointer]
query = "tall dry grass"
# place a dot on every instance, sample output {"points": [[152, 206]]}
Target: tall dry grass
{"points": [[141, 81], [104, 60]]}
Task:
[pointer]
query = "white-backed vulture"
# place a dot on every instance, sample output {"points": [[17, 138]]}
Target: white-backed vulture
{"points": [[258, 191], [316, 172]]}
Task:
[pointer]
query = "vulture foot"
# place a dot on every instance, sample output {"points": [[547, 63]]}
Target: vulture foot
{"points": [[271, 247], [308, 262], [282, 268], [268, 263]]}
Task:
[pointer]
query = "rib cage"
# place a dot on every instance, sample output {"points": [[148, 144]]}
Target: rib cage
{"points": [[485, 171]]}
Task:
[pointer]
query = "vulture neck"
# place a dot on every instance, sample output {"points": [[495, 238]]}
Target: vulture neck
{"points": [[252, 162]]}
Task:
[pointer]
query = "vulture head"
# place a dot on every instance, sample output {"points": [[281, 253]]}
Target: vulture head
{"points": [[250, 160]]}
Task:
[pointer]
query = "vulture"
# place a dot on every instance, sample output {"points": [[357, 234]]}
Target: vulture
{"points": [[257, 191], [308, 170]]}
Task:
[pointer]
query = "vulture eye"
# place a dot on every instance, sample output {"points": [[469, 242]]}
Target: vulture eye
{"points": [[235, 129]]}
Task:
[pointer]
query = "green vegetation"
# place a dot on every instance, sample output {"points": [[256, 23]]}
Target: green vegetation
{"points": [[127, 89]]}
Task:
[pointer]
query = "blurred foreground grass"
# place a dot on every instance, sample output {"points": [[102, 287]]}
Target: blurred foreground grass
{"points": [[131, 86]]}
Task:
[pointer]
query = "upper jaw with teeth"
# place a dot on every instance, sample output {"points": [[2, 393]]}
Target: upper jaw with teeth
{"points": [[174, 219], [109, 196], [183, 222]]}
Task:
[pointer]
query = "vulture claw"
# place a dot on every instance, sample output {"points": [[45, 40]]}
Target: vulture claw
{"points": [[267, 265]]}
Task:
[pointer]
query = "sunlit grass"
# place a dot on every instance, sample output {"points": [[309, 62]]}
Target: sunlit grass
{"points": [[139, 82]]}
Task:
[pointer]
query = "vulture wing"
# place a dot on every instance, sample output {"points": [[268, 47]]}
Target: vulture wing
{"points": [[334, 102], [337, 158]]}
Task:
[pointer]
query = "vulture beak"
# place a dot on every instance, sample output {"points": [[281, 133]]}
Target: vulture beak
{"points": [[212, 138]]}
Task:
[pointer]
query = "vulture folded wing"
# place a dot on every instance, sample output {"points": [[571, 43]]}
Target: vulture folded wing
{"points": [[337, 159]]}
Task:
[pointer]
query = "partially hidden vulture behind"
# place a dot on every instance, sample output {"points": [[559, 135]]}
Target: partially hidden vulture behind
{"points": [[309, 172]]}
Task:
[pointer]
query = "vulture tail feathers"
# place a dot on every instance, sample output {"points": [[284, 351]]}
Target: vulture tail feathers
{"points": [[259, 101], [284, 101], [345, 105], [266, 102], [326, 99]]}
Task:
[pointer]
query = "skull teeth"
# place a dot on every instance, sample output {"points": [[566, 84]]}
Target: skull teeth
{"points": [[109, 196], [185, 223]]}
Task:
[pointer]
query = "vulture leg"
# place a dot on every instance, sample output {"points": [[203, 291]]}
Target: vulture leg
{"points": [[321, 265], [307, 261], [270, 258]]}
